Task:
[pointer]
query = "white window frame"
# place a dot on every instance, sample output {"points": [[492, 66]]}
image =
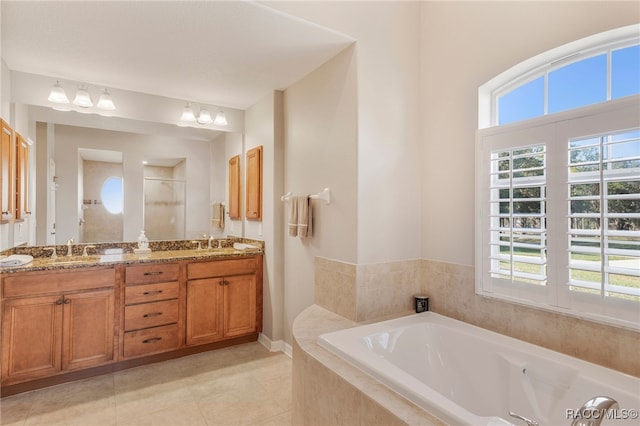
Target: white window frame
{"points": [[543, 64], [554, 131]]}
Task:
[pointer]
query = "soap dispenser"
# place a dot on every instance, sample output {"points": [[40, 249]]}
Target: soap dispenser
{"points": [[143, 241], [143, 244]]}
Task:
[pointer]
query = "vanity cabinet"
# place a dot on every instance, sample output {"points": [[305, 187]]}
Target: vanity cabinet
{"points": [[224, 299], [63, 324], [151, 309], [56, 322]]}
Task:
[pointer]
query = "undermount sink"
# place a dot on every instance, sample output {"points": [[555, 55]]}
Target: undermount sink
{"points": [[71, 261]]}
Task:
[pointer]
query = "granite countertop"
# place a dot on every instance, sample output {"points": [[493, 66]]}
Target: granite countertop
{"points": [[73, 262]]}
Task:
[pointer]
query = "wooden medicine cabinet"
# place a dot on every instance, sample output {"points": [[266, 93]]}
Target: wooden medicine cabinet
{"points": [[254, 184], [234, 188]]}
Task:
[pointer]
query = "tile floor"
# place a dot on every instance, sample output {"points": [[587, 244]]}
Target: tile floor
{"points": [[240, 385]]}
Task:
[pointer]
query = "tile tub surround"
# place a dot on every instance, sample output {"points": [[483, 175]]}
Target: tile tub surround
{"points": [[366, 293], [329, 391]]}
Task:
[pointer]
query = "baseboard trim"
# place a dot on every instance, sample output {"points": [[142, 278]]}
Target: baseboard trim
{"points": [[275, 346]]}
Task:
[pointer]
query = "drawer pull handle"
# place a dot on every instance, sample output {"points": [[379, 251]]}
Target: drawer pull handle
{"points": [[153, 314], [152, 340], [153, 273], [148, 293]]}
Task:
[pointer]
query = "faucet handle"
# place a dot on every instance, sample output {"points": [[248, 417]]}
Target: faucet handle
{"points": [[197, 242], [84, 251], [54, 254], [529, 422]]}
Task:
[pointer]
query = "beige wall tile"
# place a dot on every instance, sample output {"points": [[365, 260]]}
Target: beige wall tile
{"points": [[367, 292]]}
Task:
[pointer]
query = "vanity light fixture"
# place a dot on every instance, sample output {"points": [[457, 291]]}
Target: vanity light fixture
{"points": [[204, 117], [83, 98], [58, 95], [220, 120], [105, 101], [187, 113]]}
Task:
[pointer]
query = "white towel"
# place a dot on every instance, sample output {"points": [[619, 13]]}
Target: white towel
{"points": [[15, 260], [300, 217]]}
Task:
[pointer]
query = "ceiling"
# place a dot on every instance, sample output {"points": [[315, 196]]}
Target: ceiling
{"points": [[225, 53]]}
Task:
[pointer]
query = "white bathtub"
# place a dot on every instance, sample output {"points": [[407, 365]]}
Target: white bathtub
{"points": [[467, 375]]}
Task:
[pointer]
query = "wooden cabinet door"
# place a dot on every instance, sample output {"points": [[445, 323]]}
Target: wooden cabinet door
{"points": [[239, 305], [204, 310], [7, 153], [234, 188], [88, 329], [254, 184], [31, 340], [22, 177]]}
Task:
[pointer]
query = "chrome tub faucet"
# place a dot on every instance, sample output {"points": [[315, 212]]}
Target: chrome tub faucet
{"points": [[593, 411]]}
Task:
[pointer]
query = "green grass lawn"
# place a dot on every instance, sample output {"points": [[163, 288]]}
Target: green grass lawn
{"points": [[578, 274]]}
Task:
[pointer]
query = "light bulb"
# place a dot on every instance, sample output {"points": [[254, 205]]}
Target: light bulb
{"points": [[187, 114], [58, 95], [220, 120], [105, 101]]}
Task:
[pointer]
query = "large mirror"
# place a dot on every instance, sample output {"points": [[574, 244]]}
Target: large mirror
{"points": [[104, 185]]}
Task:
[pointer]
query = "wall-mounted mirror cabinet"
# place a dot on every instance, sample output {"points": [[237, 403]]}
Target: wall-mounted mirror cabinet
{"points": [[253, 201], [234, 188]]}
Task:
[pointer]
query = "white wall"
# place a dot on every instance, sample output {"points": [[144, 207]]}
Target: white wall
{"points": [[388, 168], [463, 45], [351, 125], [263, 127], [321, 151]]}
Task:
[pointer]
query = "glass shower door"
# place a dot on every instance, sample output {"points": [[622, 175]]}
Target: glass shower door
{"points": [[164, 208]]}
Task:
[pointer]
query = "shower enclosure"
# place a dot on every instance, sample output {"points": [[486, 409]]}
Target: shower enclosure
{"points": [[164, 203]]}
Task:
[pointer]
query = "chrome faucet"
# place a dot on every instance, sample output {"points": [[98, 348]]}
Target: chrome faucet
{"points": [[529, 422], [210, 240], [592, 412], [54, 253], [70, 247]]}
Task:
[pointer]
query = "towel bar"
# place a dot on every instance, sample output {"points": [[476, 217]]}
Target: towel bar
{"points": [[324, 195]]}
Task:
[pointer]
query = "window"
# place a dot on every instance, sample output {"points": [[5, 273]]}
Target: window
{"points": [[586, 72], [604, 214], [558, 189], [112, 195]]}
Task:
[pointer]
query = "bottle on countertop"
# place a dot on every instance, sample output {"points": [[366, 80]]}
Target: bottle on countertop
{"points": [[143, 241]]}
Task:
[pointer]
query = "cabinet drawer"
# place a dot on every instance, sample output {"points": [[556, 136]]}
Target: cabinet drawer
{"points": [[220, 268], [150, 314], [38, 283], [151, 340], [151, 292], [153, 273]]}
